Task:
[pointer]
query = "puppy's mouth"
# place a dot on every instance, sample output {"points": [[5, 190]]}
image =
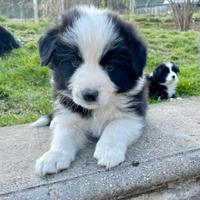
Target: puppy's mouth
{"points": [[89, 106], [172, 81]]}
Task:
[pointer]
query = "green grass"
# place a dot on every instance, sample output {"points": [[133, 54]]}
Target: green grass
{"points": [[25, 92], [24, 85], [180, 47]]}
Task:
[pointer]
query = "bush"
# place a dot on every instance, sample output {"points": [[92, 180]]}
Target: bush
{"points": [[167, 19], [2, 19]]}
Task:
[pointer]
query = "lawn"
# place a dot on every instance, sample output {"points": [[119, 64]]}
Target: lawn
{"points": [[25, 93]]}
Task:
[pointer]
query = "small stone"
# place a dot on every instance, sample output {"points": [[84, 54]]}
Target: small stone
{"points": [[135, 163]]}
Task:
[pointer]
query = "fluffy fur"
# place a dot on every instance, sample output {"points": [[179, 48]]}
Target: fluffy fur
{"points": [[163, 81], [97, 62], [7, 41]]}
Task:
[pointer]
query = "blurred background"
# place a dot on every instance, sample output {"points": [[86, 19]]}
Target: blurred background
{"points": [[182, 10], [25, 9], [52, 9]]}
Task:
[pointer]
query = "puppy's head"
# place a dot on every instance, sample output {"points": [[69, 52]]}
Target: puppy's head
{"points": [[166, 73], [93, 55]]}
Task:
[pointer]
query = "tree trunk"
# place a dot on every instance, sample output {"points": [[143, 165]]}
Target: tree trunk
{"points": [[182, 13]]}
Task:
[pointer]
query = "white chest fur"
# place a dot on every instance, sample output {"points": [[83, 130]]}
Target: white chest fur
{"points": [[102, 117], [171, 90]]}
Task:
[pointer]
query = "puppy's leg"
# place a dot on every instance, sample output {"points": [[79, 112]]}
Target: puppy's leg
{"points": [[66, 142], [111, 147]]}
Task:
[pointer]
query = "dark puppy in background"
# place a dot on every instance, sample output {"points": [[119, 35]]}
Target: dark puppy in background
{"points": [[163, 81], [97, 62], [7, 41]]}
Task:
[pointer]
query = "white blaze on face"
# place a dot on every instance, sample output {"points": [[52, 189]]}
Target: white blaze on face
{"points": [[172, 77], [92, 32]]}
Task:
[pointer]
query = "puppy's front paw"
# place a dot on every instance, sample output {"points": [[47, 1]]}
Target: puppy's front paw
{"points": [[52, 162], [108, 155]]}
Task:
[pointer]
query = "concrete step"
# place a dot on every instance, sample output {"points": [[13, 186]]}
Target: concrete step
{"points": [[163, 164]]}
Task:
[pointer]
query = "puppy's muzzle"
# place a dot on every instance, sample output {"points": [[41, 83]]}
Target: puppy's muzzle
{"points": [[90, 95]]}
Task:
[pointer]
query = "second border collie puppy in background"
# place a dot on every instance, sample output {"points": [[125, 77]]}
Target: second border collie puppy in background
{"points": [[7, 41], [163, 81], [97, 62]]}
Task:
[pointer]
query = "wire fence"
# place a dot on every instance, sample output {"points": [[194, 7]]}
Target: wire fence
{"points": [[26, 9]]}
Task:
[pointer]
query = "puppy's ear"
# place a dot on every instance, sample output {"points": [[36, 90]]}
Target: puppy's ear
{"points": [[158, 71], [175, 68], [140, 57], [135, 45], [47, 45]]}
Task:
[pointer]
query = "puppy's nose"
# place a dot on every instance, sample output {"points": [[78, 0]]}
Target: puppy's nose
{"points": [[173, 77], [90, 95]]}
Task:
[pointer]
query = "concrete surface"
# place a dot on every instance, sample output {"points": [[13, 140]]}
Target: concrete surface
{"points": [[168, 154], [187, 190]]}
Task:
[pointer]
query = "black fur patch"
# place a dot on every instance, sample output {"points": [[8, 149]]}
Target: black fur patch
{"points": [[125, 60], [160, 73], [62, 58], [175, 68], [51, 41], [50, 118], [46, 45], [7, 41], [138, 103], [157, 90], [65, 61]]}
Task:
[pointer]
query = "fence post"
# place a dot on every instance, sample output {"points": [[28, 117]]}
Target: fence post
{"points": [[62, 4], [35, 8]]}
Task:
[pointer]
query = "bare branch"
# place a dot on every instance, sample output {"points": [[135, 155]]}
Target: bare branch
{"points": [[182, 12]]}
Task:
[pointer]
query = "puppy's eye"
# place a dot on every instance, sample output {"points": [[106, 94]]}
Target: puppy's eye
{"points": [[75, 63], [109, 68]]}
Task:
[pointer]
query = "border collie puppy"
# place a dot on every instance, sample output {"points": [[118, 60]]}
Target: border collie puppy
{"points": [[7, 41], [97, 63], [163, 81]]}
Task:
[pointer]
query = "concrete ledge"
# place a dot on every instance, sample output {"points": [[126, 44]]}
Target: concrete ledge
{"points": [[168, 152]]}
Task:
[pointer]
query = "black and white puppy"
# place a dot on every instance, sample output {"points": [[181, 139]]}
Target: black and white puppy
{"points": [[7, 41], [163, 81], [97, 63]]}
